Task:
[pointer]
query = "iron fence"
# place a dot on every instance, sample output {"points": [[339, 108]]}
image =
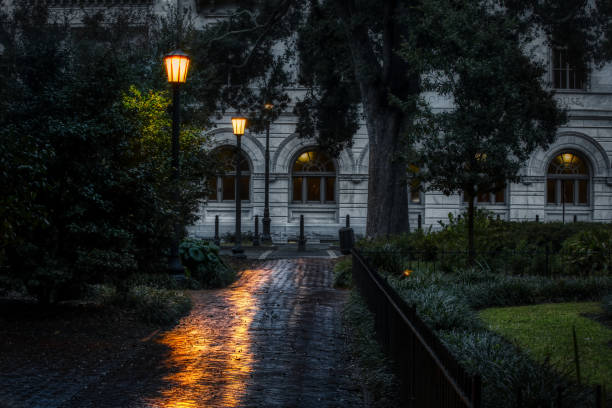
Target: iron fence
{"points": [[430, 376]]}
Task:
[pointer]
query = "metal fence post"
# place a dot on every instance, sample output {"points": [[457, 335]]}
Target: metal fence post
{"points": [[302, 239], [537, 218], [348, 221], [476, 391], [216, 239]]}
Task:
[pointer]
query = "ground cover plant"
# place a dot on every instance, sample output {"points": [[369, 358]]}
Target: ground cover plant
{"points": [[448, 300], [203, 264], [545, 332], [343, 270], [374, 373]]}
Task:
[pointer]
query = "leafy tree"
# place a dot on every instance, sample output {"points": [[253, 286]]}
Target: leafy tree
{"points": [[501, 112], [349, 63], [85, 162]]}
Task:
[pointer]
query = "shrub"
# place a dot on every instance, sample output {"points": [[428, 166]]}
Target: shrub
{"points": [[343, 273], [159, 306], [588, 252], [202, 263], [606, 305]]}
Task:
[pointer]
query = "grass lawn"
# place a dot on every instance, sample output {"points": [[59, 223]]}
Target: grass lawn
{"points": [[546, 330]]}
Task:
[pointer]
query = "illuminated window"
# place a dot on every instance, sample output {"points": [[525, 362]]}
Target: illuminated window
{"points": [[566, 75], [313, 178], [567, 180], [223, 185]]}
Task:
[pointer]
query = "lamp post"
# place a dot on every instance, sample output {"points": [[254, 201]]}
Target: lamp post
{"points": [[265, 237], [238, 125], [177, 64]]}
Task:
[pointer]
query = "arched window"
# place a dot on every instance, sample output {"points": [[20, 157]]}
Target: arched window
{"points": [[222, 186], [313, 178], [567, 180]]}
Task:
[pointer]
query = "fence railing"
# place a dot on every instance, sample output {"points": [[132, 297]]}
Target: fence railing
{"points": [[430, 376], [542, 262]]}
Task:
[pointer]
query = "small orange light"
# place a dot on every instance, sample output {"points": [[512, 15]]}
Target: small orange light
{"points": [[268, 106], [407, 272]]}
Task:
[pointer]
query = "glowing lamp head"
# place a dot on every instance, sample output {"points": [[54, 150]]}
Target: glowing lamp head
{"points": [[177, 64], [238, 123], [268, 106]]}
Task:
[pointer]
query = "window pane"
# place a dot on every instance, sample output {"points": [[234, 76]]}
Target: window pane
{"points": [[297, 188], [228, 188], [551, 196], [212, 185], [500, 196], [582, 192], [244, 188], [330, 190], [563, 79], [567, 191], [483, 198], [313, 186], [415, 194]]}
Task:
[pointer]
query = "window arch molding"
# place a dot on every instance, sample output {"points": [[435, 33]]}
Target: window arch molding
{"points": [[313, 177], [223, 184], [569, 175]]}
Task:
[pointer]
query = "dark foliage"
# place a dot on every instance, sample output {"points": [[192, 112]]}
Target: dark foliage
{"points": [[81, 203]]}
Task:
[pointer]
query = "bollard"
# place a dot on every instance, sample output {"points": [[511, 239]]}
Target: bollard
{"points": [[537, 218], [419, 222], [346, 237], [256, 236], [216, 239], [302, 238], [497, 217], [575, 218]]}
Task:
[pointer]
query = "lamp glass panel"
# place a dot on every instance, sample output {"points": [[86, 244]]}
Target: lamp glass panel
{"points": [[238, 125]]}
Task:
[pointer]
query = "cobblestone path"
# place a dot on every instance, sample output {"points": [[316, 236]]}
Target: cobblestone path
{"points": [[272, 339]]}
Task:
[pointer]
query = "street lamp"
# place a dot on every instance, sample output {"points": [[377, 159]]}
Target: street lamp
{"points": [[265, 237], [238, 125], [176, 64]]}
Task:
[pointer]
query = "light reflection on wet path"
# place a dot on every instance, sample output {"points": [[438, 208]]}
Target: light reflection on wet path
{"points": [[273, 339]]}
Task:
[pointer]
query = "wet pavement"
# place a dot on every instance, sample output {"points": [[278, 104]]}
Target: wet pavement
{"points": [[272, 339]]}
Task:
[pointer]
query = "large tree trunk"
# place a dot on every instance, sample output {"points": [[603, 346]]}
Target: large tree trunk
{"points": [[387, 191], [377, 79]]}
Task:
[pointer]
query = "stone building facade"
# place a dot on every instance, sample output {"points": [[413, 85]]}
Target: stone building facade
{"points": [[571, 180]]}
